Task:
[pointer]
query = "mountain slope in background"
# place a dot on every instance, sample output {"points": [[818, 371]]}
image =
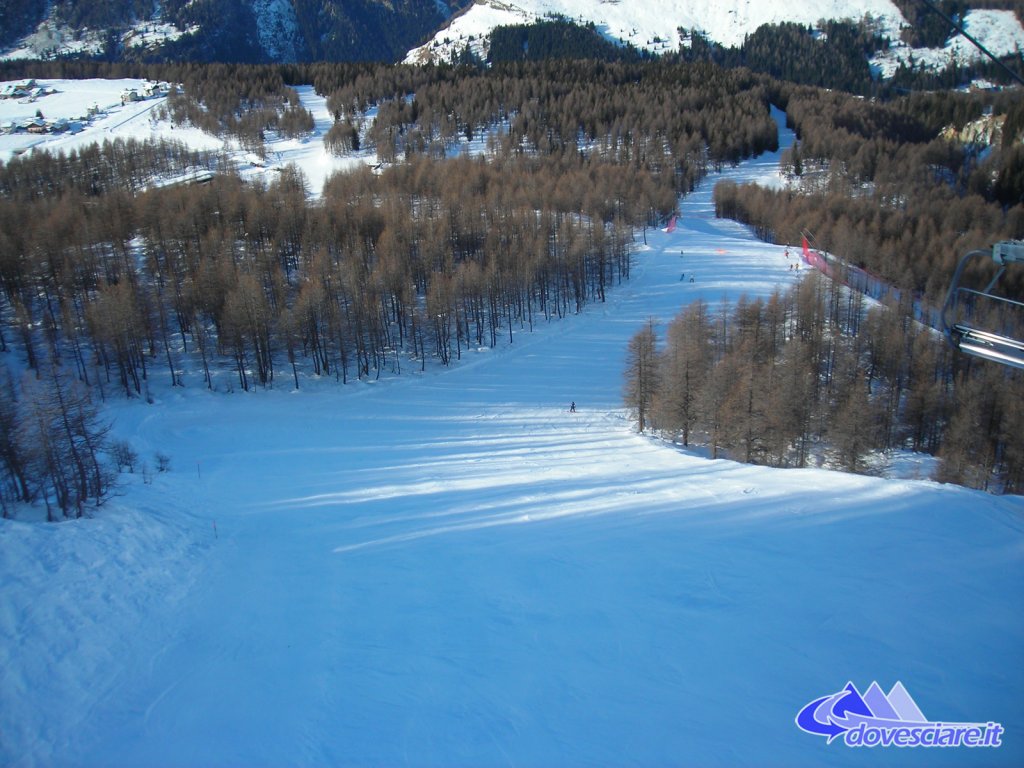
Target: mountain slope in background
{"points": [[225, 30], [390, 30], [653, 26], [662, 26]]}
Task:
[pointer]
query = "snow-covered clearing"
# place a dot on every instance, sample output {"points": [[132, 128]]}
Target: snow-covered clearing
{"points": [[449, 568], [72, 100], [999, 31]]}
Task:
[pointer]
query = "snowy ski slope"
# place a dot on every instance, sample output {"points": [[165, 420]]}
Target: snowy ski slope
{"points": [[449, 569]]}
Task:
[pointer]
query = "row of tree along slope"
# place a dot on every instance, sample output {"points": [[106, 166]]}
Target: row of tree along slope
{"points": [[112, 278], [883, 188], [819, 375]]}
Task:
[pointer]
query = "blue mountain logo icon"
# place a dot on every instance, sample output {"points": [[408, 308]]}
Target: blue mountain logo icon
{"points": [[876, 718]]}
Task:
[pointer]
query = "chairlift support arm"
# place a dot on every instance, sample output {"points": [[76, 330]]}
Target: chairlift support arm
{"points": [[979, 342]]}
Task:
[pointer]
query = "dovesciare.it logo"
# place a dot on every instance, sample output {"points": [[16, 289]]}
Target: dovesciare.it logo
{"points": [[877, 719]]}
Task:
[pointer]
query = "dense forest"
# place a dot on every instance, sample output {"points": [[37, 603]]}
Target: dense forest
{"points": [[555, 38], [884, 188], [835, 57], [19, 17], [111, 275], [881, 186], [111, 278], [816, 375]]}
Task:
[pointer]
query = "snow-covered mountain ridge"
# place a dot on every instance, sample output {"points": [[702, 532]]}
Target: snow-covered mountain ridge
{"points": [[308, 30], [654, 26], [663, 26]]}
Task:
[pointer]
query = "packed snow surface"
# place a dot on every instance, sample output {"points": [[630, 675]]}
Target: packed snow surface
{"points": [[450, 568]]}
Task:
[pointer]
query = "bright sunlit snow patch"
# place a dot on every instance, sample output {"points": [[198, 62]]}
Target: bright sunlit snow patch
{"points": [[652, 26], [154, 33], [97, 110], [999, 31], [53, 39], [95, 105]]}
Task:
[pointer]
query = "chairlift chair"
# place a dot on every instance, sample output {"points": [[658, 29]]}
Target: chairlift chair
{"points": [[962, 320]]}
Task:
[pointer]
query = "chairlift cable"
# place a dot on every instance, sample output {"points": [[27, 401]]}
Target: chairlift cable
{"points": [[959, 28]]}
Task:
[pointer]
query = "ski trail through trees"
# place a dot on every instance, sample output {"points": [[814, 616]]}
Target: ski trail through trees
{"points": [[451, 568]]}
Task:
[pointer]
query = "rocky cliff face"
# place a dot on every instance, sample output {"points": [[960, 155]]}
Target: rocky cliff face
{"points": [[986, 131]]}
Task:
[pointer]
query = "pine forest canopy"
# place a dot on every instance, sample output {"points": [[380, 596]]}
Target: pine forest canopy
{"points": [[118, 280]]}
